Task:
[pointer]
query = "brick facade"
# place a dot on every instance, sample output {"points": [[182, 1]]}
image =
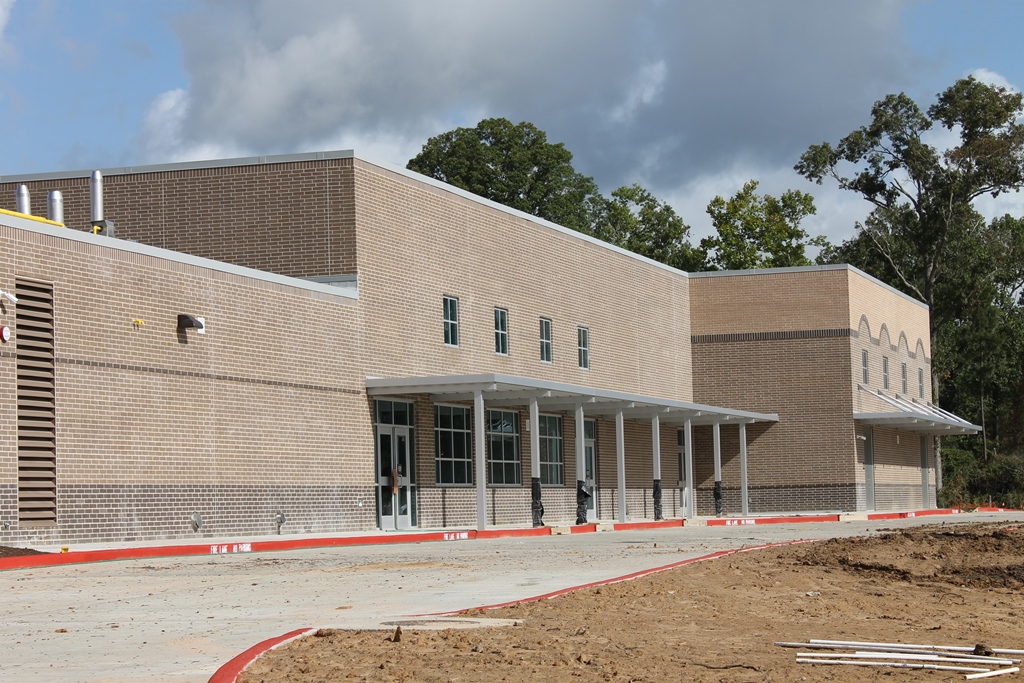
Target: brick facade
{"points": [[268, 411]]}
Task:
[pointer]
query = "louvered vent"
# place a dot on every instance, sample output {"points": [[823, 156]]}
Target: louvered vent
{"points": [[37, 429]]}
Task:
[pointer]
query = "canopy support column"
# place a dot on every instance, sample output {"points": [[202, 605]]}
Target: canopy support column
{"points": [[718, 469], [688, 466], [536, 504], [479, 438], [745, 505], [620, 462], [581, 468], [656, 450]]}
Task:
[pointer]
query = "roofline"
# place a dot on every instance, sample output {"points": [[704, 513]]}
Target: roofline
{"points": [[488, 382], [335, 154], [183, 166], [45, 227], [808, 269]]}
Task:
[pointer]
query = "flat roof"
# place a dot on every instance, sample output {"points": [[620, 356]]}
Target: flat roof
{"points": [[335, 154], [807, 269], [340, 287], [351, 154], [498, 389]]}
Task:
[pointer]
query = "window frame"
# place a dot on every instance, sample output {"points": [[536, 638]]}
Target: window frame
{"points": [[583, 347], [552, 450], [465, 433], [451, 320], [545, 341], [885, 373], [903, 375], [510, 439], [864, 365], [500, 331], [920, 383]]}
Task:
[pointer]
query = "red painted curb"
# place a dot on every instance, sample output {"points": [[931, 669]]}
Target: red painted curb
{"points": [[662, 524], [583, 529], [230, 672], [992, 509], [743, 521], [52, 559], [878, 516], [513, 533]]}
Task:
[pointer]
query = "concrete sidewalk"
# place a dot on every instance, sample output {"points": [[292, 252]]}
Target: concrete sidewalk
{"points": [[180, 618]]}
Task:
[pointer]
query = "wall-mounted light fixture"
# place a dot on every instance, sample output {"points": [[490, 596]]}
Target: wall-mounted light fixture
{"points": [[10, 297], [185, 321]]}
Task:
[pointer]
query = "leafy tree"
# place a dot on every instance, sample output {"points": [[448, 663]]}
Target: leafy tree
{"points": [[759, 231], [925, 237], [513, 165], [634, 219], [923, 197]]}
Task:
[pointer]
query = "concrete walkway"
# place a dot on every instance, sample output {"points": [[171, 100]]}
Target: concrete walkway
{"points": [[180, 618]]}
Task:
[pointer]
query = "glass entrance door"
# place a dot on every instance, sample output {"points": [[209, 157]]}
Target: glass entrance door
{"points": [[393, 477], [590, 466]]}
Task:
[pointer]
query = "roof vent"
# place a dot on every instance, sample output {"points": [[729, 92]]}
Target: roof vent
{"points": [[55, 206], [100, 226], [23, 202]]}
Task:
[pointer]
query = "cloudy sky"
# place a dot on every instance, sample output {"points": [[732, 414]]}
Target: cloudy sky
{"points": [[689, 98]]}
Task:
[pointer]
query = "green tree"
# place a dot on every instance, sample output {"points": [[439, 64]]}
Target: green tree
{"points": [[636, 220], [925, 237], [759, 231], [513, 165], [923, 197]]}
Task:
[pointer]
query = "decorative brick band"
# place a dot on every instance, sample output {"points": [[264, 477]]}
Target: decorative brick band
{"points": [[207, 375], [771, 336]]}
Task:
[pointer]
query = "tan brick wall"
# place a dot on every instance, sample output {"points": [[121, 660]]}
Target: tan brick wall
{"points": [[897, 469], [289, 218], [152, 423], [769, 301], [812, 446], [418, 243]]}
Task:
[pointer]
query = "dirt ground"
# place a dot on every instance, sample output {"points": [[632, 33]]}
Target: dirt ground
{"points": [[6, 551], [715, 621]]}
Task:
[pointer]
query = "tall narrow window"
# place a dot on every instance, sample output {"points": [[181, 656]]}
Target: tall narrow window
{"points": [[885, 372], [903, 371], [451, 321], [503, 447], [552, 470], [920, 383], [453, 445], [864, 365], [545, 340], [36, 392], [501, 331], [583, 346]]}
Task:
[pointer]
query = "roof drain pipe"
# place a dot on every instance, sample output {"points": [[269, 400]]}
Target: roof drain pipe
{"points": [[55, 206], [22, 201], [100, 226]]}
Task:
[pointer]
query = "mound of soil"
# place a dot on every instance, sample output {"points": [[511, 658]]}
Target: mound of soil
{"points": [[713, 621], [6, 551]]}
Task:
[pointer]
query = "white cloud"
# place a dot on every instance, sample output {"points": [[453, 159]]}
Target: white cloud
{"points": [[837, 211], [161, 137], [650, 82], [992, 78]]}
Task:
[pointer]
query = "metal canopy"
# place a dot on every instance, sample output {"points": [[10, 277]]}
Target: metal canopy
{"points": [[915, 416], [498, 390]]}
